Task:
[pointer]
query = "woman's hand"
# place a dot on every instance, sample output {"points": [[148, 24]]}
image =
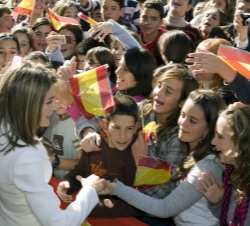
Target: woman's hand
{"points": [[211, 190], [206, 62], [62, 189], [101, 30], [93, 181], [54, 40]]}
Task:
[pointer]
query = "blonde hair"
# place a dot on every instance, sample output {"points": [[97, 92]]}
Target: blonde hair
{"points": [[22, 92]]}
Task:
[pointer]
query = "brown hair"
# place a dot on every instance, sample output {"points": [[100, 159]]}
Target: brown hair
{"points": [[20, 115], [211, 103]]}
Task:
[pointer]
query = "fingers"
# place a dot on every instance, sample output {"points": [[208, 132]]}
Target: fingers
{"points": [[91, 142], [62, 190]]}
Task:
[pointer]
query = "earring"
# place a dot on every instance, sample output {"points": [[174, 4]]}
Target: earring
{"points": [[203, 137]]}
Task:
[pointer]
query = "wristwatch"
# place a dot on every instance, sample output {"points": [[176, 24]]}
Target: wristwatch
{"points": [[56, 162]]}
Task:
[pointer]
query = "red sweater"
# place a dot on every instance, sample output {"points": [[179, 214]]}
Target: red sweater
{"points": [[191, 31]]}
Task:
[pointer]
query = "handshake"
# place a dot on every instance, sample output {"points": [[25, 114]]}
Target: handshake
{"points": [[102, 186]]}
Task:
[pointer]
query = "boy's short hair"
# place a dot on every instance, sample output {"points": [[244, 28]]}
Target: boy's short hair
{"points": [[125, 105], [154, 4], [4, 9]]}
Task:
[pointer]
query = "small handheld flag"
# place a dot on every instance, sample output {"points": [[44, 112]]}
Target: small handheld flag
{"points": [[24, 7], [236, 58], [87, 19], [149, 131], [152, 171], [59, 22], [92, 92]]}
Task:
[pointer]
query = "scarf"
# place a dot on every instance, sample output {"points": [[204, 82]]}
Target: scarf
{"points": [[241, 209]]}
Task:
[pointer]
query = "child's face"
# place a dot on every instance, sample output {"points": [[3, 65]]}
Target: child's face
{"points": [[80, 62], [8, 49], [125, 79], [24, 43], [91, 63], [198, 9], [150, 21], [210, 20], [68, 49], [6, 23], [120, 131], [219, 4], [166, 96], [59, 110], [111, 10], [39, 6], [41, 33], [178, 8], [243, 7], [72, 12], [96, 15], [118, 50]]}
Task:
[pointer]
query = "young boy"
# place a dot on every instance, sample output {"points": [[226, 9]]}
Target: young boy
{"points": [[115, 160], [175, 19], [125, 11], [6, 22], [150, 20], [61, 141]]}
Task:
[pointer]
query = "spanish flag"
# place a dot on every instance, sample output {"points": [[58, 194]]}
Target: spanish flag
{"points": [[236, 58], [87, 19], [59, 22], [92, 92], [152, 171], [24, 7], [149, 131]]}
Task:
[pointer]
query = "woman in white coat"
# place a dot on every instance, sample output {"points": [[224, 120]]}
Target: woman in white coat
{"points": [[27, 100]]}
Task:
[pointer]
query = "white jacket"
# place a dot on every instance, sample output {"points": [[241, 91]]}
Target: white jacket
{"points": [[26, 198]]}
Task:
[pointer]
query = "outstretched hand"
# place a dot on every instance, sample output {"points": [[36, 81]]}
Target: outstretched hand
{"points": [[101, 30], [68, 69], [211, 190], [108, 187]]}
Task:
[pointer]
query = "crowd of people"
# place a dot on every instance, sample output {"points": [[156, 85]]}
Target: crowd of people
{"points": [[162, 67]]}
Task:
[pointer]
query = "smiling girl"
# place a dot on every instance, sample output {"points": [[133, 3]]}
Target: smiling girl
{"points": [[9, 47], [27, 100], [210, 19], [231, 140], [196, 129], [25, 39]]}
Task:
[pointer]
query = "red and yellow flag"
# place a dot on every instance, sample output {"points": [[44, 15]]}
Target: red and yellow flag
{"points": [[92, 92], [236, 58], [87, 19], [149, 131], [60, 21], [24, 7], [152, 171]]}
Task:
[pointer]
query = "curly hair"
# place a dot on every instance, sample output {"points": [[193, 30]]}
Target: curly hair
{"points": [[238, 123]]}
